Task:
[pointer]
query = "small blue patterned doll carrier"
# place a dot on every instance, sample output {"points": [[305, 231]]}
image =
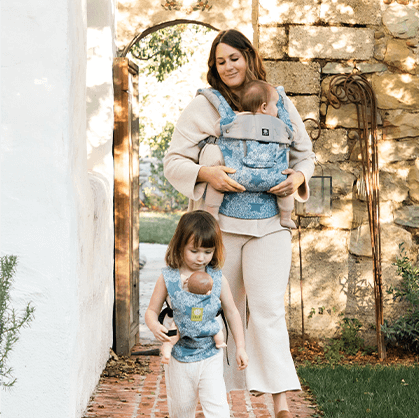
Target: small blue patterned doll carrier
{"points": [[194, 316], [256, 146]]}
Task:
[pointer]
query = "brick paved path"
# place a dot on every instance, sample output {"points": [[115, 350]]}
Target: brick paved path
{"points": [[145, 397]]}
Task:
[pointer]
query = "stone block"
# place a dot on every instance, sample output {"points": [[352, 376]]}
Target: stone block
{"points": [[407, 216], [396, 91], [337, 68], [296, 77], [342, 181], [366, 67], [399, 55], [400, 118], [346, 214], [380, 48], [391, 236], [392, 151], [332, 146], [393, 187], [273, 12], [345, 116], [413, 181], [325, 267], [365, 12], [331, 42], [307, 106], [272, 42], [396, 132], [402, 21]]}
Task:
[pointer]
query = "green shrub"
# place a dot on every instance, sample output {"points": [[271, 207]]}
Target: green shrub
{"points": [[404, 331], [162, 195], [10, 322], [349, 341]]}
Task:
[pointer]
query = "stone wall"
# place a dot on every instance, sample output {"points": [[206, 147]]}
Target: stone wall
{"points": [[305, 43]]}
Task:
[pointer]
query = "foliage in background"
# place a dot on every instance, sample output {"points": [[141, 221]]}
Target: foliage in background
{"points": [[162, 51], [362, 391], [404, 331], [158, 227], [10, 322], [162, 195], [349, 341]]}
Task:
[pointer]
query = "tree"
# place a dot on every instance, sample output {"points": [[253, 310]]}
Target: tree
{"points": [[165, 50]]}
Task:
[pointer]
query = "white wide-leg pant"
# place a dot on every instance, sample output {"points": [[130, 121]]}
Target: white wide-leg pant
{"points": [[203, 380], [259, 268]]}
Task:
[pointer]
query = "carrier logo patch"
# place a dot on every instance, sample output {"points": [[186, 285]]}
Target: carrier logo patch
{"points": [[265, 132], [197, 314]]}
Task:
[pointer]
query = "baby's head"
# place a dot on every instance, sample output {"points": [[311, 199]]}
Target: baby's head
{"points": [[200, 283], [259, 97]]}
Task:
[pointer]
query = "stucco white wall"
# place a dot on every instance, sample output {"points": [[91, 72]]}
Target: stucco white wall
{"points": [[56, 205]]}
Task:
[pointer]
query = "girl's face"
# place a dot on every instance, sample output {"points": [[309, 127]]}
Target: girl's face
{"points": [[231, 66], [196, 258]]}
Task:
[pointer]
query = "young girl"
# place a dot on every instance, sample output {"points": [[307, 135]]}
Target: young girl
{"points": [[196, 365]]}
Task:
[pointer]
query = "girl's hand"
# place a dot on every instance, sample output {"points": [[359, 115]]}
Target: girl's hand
{"points": [[294, 180], [159, 331], [241, 358], [217, 177]]}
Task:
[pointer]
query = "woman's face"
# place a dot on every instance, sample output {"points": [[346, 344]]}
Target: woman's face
{"points": [[231, 66]]}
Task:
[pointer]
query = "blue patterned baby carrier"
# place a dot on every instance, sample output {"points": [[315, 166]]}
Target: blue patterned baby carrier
{"points": [[256, 146], [194, 316]]}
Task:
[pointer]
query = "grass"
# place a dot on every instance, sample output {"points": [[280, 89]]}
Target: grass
{"points": [[363, 391], [158, 227]]}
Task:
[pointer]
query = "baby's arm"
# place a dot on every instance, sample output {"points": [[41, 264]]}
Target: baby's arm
{"points": [[219, 339], [235, 323], [154, 307]]}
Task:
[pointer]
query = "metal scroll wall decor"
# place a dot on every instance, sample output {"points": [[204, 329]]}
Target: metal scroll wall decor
{"points": [[355, 88]]}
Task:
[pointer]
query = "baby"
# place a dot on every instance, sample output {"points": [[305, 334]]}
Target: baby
{"points": [[199, 283], [258, 97]]}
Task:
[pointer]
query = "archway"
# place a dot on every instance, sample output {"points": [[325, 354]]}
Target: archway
{"points": [[126, 192]]}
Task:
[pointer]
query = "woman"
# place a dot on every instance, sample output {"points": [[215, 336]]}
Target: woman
{"points": [[258, 251]]}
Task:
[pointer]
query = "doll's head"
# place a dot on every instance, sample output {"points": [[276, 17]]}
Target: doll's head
{"points": [[200, 283]]}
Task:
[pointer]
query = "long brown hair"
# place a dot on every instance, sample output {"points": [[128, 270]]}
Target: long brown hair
{"points": [[255, 69], [204, 229]]}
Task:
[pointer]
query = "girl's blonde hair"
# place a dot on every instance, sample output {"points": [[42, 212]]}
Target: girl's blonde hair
{"points": [[204, 229]]}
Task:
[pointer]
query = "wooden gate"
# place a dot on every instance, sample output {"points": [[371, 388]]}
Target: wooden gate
{"points": [[126, 207]]}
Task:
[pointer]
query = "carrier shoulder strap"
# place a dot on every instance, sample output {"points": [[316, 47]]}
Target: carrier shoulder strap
{"points": [[227, 115], [282, 111]]}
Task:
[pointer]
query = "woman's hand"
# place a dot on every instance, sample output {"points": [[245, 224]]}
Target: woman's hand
{"points": [[241, 358], [294, 180], [217, 177]]}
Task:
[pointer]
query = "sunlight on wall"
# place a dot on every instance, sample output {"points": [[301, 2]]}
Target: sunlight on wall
{"points": [[99, 99]]}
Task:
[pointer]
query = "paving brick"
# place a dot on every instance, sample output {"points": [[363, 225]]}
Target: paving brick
{"points": [[145, 397]]}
